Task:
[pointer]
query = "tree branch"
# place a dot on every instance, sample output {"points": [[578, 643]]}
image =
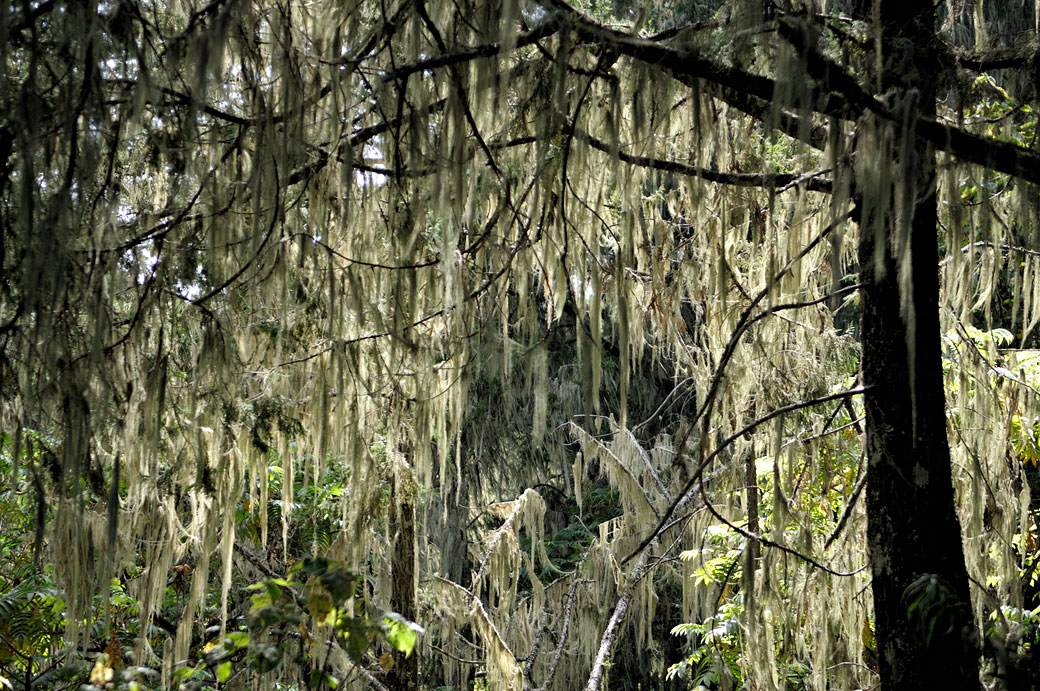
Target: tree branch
{"points": [[984, 61], [770, 543], [567, 608], [606, 641], [848, 101], [487, 50], [811, 181], [681, 498]]}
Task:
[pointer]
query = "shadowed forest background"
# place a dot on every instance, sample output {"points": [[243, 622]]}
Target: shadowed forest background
{"points": [[519, 344]]}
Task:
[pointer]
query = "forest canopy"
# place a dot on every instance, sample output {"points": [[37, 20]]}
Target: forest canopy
{"points": [[519, 344]]}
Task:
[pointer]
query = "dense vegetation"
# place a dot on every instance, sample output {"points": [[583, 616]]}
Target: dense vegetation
{"points": [[520, 344]]}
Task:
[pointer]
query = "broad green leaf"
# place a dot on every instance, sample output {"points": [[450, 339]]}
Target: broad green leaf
{"points": [[315, 566], [236, 639], [401, 632], [339, 582], [356, 638]]}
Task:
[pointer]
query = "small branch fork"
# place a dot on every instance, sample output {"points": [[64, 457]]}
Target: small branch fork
{"points": [[770, 543], [682, 496], [639, 572], [745, 322]]}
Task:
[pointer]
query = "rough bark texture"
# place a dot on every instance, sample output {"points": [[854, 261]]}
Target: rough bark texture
{"points": [[751, 487], [921, 597], [404, 674], [454, 547]]}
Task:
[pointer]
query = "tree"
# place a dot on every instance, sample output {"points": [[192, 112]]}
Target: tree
{"points": [[567, 262], [906, 441]]}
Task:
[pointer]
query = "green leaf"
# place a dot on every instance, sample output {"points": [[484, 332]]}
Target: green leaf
{"points": [[339, 582], [266, 657], [315, 566], [182, 673], [223, 671], [284, 582], [401, 632], [356, 635], [402, 638], [236, 639], [318, 677], [685, 629]]}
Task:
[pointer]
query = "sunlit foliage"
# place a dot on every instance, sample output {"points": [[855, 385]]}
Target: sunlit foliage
{"points": [[548, 306]]}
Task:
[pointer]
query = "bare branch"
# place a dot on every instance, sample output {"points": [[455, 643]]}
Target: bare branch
{"points": [[606, 641], [812, 181], [567, 608], [849, 506], [770, 543], [729, 440], [848, 101]]}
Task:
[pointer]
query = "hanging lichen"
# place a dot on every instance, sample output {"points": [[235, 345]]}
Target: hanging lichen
{"points": [[501, 260]]}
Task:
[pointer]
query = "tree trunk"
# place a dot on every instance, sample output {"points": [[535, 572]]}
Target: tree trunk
{"points": [[404, 675], [923, 620], [452, 534]]}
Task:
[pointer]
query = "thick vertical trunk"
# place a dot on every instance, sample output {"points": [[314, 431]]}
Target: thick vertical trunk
{"points": [[912, 523], [922, 607], [454, 547], [404, 675]]}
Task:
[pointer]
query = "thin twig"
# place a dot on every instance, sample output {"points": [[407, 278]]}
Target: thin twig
{"points": [[853, 498], [563, 635], [729, 440], [770, 543]]}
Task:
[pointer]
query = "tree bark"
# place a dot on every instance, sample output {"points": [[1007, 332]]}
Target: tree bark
{"points": [[404, 675], [454, 546], [922, 604]]}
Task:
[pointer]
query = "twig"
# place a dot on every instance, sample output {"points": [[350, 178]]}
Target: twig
{"points": [[464, 661], [729, 440], [853, 498], [665, 402], [583, 435], [563, 635], [507, 525], [649, 466], [606, 641], [770, 543], [827, 433]]}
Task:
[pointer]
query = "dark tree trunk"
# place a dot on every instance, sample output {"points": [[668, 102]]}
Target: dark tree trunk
{"points": [[404, 675], [454, 546], [751, 487], [923, 620]]}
